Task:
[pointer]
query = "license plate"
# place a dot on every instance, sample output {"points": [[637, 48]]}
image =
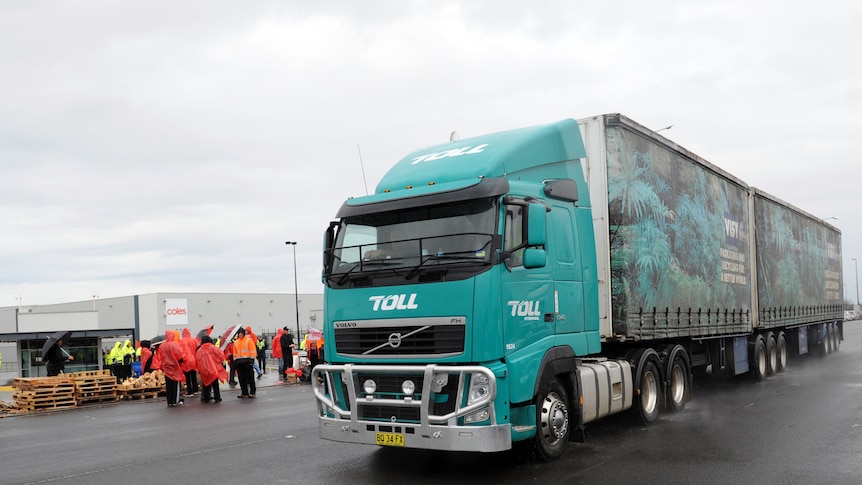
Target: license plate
{"points": [[390, 439]]}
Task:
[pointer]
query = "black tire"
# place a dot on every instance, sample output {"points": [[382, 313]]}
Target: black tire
{"points": [[829, 334], [771, 354], [679, 381], [757, 358], [647, 403], [781, 352], [552, 421], [836, 338]]}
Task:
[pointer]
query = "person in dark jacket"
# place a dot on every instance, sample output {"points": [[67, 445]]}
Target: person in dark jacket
{"points": [[56, 359], [287, 347]]}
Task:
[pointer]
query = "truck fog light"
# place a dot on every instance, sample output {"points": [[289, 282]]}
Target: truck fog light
{"points": [[478, 416], [408, 387], [369, 386]]}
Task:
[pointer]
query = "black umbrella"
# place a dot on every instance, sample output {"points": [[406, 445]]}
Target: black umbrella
{"points": [[61, 335], [157, 340]]}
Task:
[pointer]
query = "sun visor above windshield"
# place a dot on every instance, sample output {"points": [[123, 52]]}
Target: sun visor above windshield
{"points": [[505, 154], [425, 196]]}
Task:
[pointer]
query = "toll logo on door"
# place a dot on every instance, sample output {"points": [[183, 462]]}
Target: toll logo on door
{"points": [[530, 310]]}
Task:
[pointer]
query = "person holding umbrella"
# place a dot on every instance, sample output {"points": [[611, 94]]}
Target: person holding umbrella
{"points": [[54, 355]]}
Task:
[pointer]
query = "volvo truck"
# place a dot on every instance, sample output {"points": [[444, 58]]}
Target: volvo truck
{"points": [[515, 286]]}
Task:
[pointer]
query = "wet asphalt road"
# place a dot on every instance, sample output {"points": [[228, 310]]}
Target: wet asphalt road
{"points": [[803, 426]]}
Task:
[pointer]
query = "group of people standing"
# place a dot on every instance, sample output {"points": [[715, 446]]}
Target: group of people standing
{"points": [[120, 359], [181, 358]]}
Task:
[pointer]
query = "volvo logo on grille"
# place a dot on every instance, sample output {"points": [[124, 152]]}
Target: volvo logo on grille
{"points": [[395, 340]]}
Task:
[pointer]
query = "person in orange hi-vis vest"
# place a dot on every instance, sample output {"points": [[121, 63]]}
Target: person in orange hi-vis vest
{"points": [[245, 353]]}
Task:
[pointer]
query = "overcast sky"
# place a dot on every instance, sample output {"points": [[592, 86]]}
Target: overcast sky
{"points": [[174, 146]]}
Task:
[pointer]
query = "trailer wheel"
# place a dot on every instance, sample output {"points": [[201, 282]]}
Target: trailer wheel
{"points": [[678, 383], [836, 337], [781, 351], [771, 354], [552, 420], [757, 357], [829, 334], [648, 396]]}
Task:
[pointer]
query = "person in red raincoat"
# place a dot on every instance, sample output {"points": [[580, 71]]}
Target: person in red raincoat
{"points": [[277, 354], [171, 356], [209, 359], [190, 367], [146, 357]]}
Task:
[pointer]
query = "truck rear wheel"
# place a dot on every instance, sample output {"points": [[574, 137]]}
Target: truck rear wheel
{"points": [[678, 371], [771, 354], [757, 357], [552, 420], [648, 395], [836, 337], [781, 352]]}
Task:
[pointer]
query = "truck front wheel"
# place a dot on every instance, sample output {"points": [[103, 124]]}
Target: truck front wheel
{"points": [[552, 420]]}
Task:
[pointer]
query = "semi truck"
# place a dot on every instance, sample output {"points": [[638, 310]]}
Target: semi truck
{"points": [[515, 286]]}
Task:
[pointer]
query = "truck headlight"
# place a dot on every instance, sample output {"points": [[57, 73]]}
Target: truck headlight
{"points": [[480, 387]]}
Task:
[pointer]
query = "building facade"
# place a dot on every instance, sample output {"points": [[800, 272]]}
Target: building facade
{"points": [[96, 324]]}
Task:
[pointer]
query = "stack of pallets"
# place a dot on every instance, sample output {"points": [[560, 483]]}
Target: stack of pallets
{"points": [[94, 386], [31, 394]]}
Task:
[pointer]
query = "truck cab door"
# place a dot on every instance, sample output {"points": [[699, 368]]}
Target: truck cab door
{"points": [[527, 289]]}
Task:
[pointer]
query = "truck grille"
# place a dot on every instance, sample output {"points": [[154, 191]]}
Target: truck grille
{"points": [[412, 340]]}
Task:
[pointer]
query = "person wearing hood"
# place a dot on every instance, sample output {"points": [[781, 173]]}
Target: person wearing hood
{"points": [[277, 354], [209, 359], [146, 357], [171, 355], [190, 367], [128, 352], [115, 358], [254, 365], [245, 353]]}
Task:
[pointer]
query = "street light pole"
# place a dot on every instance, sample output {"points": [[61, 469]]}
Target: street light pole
{"points": [[856, 264], [295, 288]]}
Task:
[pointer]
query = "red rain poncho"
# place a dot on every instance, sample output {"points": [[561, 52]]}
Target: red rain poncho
{"points": [[209, 359], [189, 344], [276, 345], [171, 354], [146, 355]]}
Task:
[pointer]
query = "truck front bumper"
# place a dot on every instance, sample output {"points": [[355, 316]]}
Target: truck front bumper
{"points": [[437, 415]]}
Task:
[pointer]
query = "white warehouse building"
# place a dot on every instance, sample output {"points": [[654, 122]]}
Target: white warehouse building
{"points": [[96, 324]]}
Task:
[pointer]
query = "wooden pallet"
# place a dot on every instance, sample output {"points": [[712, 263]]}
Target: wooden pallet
{"points": [[95, 386], [139, 393], [31, 394], [90, 373]]}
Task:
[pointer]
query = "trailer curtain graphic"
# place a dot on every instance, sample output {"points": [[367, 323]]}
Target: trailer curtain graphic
{"points": [[678, 240]]}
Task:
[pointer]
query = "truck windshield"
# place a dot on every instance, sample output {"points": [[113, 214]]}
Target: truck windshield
{"points": [[452, 241]]}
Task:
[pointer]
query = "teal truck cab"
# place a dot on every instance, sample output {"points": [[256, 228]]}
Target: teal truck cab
{"points": [[473, 300]]}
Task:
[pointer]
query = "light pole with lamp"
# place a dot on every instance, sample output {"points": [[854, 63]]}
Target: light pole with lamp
{"points": [[856, 265], [295, 289]]}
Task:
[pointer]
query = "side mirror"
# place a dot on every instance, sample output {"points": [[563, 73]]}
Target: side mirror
{"points": [[535, 258], [536, 225]]}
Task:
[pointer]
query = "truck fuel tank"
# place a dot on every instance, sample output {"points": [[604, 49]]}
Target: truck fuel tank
{"points": [[606, 388]]}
